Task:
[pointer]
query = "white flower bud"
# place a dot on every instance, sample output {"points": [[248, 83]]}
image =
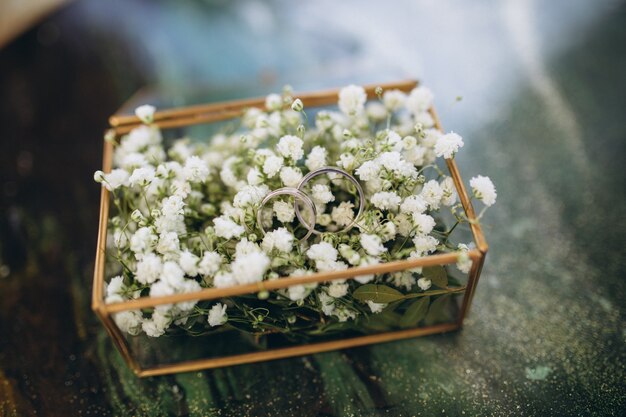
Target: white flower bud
{"points": [[297, 105]]}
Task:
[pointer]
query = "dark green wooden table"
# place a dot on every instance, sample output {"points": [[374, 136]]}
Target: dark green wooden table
{"points": [[543, 113]]}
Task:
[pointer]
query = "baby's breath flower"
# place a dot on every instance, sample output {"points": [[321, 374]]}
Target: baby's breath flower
{"points": [[352, 100], [423, 223], [338, 289], [226, 228], [321, 194], [142, 176], [290, 176], [343, 214], [115, 179], [250, 267], [386, 200], [424, 284], [272, 165], [148, 269], [448, 145], [290, 147], [285, 213], [420, 100], [210, 263], [316, 158], [372, 244], [145, 113], [273, 102], [413, 204], [394, 99], [297, 105], [484, 190], [376, 307], [432, 194], [280, 239], [217, 315]]}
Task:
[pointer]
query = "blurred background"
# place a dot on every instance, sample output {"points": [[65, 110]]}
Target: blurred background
{"points": [[536, 88]]}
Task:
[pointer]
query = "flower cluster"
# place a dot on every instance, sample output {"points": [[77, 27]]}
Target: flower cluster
{"points": [[186, 213]]}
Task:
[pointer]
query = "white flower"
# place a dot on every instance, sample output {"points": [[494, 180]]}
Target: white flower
{"points": [[115, 179], [299, 292], [368, 171], [347, 161], [394, 99], [224, 279], [338, 290], [425, 244], [388, 231], [195, 169], [366, 261], [424, 283], [142, 176], [115, 286], [285, 213], [372, 244], [172, 274], [189, 263], [352, 100], [168, 243], [376, 307], [321, 194], [464, 262], [254, 176], [290, 176], [424, 223], [157, 325], [145, 113], [297, 105], [420, 100], [245, 247], [98, 176], [322, 252], [447, 145], [273, 102], [425, 119], [386, 200], [142, 241], [272, 165], [413, 204], [129, 321], [316, 158], [148, 269], [210, 263], [250, 268], [432, 194], [226, 228], [376, 111], [343, 214], [217, 315], [290, 146], [250, 195], [349, 254], [327, 303], [280, 239], [484, 189], [172, 206], [449, 191]]}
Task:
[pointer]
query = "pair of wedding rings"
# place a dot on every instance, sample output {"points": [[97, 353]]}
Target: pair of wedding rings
{"points": [[299, 195]]}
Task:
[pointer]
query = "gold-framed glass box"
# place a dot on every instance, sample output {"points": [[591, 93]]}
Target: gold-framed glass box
{"points": [[158, 356]]}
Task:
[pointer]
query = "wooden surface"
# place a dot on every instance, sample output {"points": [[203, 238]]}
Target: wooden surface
{"points": [[545, 334]]}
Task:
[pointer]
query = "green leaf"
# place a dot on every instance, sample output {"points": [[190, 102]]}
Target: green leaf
{"points": [[437, 275], [439, 310], [377, 293], [415, 313]]}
